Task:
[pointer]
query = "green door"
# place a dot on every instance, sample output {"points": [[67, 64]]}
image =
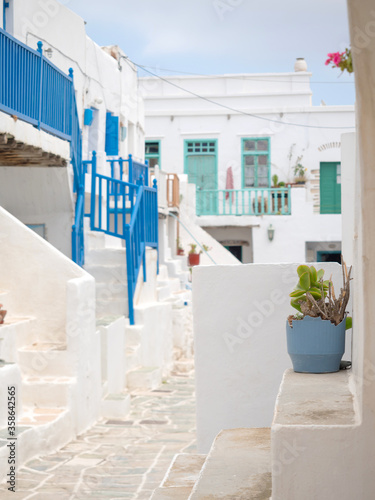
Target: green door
{"points": [[200, 165], [330, 188]]}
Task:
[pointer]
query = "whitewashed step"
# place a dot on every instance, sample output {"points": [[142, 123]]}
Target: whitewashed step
{"points": [[45, 360], [111, 291], [314, 416], [133, 357], [174, 268], [39, 430], [144, 378], [237, 467], [163, 272], [48, 392], [115, 307], [184, 471], [107, 257], [108, 274], [94, 240], [177, 493], [133, 335], [115, 406], [163, 293], [15, 333]]}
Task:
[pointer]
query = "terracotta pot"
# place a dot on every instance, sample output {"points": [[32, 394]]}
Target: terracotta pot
{"points": [[180, 251], [193, 259]]}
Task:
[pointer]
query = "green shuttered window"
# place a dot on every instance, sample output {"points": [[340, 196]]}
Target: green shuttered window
{"points": [[330, 188]]}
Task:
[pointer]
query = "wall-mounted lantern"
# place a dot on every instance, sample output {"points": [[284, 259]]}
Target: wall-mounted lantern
{"points": [[271, 232]]}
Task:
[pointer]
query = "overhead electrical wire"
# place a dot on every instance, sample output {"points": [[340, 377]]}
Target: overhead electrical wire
{"points": [[233, 109], [244, 78]]}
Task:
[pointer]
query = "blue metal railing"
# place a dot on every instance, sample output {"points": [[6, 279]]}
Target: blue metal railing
{"points": [[251, 201], [127, 211], [38, 92], [138, 171]]}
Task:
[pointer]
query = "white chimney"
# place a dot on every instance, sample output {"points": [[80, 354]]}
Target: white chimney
{"points": [[300, 64]]}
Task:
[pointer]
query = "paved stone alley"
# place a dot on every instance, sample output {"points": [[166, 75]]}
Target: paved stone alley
{"points": [[118, 459]]}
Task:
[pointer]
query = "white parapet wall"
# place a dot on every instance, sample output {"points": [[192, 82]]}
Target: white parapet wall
{"points": [[240, 315]]}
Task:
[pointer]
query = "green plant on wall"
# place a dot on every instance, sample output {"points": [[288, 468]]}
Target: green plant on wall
{"points": [[316, 297]]}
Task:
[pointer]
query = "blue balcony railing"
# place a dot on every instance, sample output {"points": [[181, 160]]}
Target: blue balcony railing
{"points": [[253, 201], [38, 92], [127, 211]]}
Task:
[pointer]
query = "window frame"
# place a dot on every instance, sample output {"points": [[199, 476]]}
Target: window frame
{"points": [[151, 156], [256, 153]]}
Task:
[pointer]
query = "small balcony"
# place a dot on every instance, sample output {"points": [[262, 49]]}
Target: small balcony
{"points": [[253, 201]]}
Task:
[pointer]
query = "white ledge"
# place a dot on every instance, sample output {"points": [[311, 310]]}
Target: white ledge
{"points": [[315, 400]]}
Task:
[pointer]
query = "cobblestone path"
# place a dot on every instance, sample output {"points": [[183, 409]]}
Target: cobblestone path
{"points": [[118, 459]]}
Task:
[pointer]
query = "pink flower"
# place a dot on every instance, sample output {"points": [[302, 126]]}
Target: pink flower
{"points": [[337, 58]]}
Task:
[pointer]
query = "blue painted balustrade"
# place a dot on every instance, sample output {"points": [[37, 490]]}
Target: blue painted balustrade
{"points": [[38, 92], [128, 211]]}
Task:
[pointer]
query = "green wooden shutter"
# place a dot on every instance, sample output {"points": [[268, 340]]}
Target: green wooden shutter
{"points": [[330, 188]]}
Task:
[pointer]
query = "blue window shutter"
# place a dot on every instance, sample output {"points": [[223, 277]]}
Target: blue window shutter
{"points": [[88, 117], [112, 135]]}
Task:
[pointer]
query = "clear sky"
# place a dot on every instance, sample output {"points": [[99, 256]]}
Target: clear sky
{"points": [[227, 36]]}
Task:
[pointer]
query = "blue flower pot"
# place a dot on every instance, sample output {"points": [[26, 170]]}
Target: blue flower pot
{"points": [[315, 345]]}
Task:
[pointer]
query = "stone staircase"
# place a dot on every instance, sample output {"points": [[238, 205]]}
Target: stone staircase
{"points": [[140, 354], [315, 424], [43, 378], [238, 466]]}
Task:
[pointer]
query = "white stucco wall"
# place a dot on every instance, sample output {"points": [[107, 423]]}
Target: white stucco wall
{"points": [[292, 232], [361, 23], [40, 195], [348, 196], [36, 275], [240, 343]]}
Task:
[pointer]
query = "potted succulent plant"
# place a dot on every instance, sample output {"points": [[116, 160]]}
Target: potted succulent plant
{"points": [[194, 256], [316, 334]]}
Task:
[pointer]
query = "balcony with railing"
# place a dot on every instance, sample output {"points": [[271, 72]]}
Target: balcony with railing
{"points": [[253, 201]]}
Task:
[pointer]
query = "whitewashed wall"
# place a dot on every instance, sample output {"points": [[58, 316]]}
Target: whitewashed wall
{"points": [[173, 115], [240, 343], [291, 231], [348, 196], [40, 195]]}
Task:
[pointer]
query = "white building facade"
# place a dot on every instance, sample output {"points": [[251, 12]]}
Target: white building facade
{"points": [[231, 134]]}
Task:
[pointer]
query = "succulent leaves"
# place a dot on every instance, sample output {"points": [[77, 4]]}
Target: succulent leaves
{"points": [[315, 297], [310, 281]]}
